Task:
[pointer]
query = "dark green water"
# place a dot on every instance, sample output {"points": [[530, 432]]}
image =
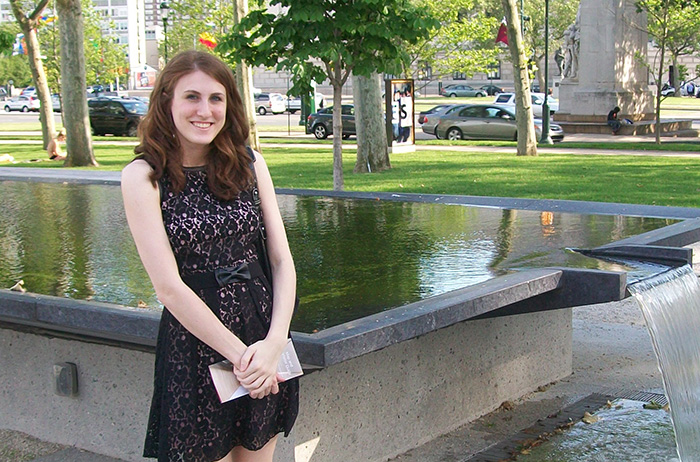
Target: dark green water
{"points": [[353, 257]]}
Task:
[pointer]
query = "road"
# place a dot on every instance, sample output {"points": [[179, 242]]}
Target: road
{"points": [[292, 121]]}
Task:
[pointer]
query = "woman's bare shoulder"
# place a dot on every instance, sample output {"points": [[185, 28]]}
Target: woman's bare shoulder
{"points": [[137, 171]]}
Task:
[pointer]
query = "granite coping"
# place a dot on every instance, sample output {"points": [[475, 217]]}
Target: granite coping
{"points": [[137, 328]]}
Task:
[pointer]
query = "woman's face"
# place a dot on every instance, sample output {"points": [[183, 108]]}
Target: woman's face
{"points": [[198, 110]]}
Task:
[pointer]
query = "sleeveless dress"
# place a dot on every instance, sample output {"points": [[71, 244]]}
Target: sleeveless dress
{"points": [[187, 420]]}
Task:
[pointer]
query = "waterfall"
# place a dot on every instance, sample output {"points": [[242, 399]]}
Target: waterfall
{"points": [[670, 303]]}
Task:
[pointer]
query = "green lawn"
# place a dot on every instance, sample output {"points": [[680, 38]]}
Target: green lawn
{"points": [[628, 179]]}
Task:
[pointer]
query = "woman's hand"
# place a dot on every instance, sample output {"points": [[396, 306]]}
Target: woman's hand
{"points": [[257, 369]]}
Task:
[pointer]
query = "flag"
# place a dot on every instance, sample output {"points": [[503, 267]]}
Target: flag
{"points": [[208, 40], [502, 35]]}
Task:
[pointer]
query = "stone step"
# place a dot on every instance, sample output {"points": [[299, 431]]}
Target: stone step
{"points": [[644, 127]]}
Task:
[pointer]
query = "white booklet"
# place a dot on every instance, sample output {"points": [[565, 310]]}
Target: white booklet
{"points": [[227, 385]]}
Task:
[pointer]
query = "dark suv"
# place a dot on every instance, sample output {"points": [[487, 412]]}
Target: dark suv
{"points": [[116, 115], [321, 123]]}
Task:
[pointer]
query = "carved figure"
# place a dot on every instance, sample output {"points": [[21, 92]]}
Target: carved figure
{"points": [[572, 46], [559, 59]]}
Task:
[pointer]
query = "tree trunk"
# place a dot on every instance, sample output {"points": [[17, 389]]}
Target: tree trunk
{"points": [[372, 149], [28, 25], [540, 73], [244, 80], [676, 75], [337, 131], [527, 144], [75, 109]]}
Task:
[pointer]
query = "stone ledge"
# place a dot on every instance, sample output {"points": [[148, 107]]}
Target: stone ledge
{"points": [[638, 128]]}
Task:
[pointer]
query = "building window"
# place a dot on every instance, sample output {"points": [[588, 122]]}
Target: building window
{"points": [[459, 76]]}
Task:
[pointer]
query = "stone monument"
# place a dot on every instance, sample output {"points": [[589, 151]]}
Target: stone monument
{"points": [[600, 68]]}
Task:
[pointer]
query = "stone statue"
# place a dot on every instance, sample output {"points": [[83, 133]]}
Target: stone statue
{"points": [[572, 44], [559, 59]]}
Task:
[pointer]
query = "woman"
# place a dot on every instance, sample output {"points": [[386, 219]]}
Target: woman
{"points": [[188, 201], [54, 148]]}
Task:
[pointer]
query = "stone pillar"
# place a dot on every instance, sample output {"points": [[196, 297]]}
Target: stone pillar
{"points": [[606, 72]]}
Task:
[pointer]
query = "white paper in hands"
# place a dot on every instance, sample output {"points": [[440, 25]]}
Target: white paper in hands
{"points": [[227, 385]]}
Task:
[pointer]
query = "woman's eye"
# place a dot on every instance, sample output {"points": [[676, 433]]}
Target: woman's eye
{"points": [[192, 97], [217, 98]]}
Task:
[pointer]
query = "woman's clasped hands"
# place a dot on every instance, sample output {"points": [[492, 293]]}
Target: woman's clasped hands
{"points": [[257, 369]]}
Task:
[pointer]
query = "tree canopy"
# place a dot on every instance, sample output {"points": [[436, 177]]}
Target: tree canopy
{"points": [[316, 40], [464, 43]]}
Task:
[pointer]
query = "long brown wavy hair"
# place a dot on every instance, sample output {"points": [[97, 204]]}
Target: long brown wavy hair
{"points": [[228, 170]]}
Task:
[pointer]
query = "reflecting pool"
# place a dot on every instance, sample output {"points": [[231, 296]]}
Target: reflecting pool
{"points": [[354, 257]]}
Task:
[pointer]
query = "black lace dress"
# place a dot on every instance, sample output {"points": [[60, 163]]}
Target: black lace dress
{"points": [[187, 421]]}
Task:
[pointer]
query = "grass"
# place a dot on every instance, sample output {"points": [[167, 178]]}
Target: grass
{"points": [[672, 181]]}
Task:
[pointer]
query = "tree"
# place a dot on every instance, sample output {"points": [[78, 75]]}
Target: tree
{"points": [[527, 145], [464, 43], [244, 81], [105, 59], [28, 23], [665, 20], [326, 39], [76, 118], [683, 37], [15, 68], [190, 18], [7, 39], [372, 149]]}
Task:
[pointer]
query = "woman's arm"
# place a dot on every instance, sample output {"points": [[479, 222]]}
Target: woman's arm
{"points": [[259, 363], [142, 206]]}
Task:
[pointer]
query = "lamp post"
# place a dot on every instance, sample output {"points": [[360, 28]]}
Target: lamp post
{"points": [[546, 139], [164, 8]]}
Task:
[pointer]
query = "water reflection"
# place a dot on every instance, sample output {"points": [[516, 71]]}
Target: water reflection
{"points": [[353, 257]]}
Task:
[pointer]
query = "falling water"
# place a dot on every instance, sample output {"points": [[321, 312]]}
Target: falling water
{"points": [[671, 306]]}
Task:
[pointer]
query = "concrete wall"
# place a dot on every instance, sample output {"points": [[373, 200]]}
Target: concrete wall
{"points": [[365, 409]]}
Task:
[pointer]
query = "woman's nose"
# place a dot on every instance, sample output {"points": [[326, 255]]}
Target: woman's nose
{"points": [[203, 108]]}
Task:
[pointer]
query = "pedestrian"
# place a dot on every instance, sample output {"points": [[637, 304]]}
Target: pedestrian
{"points": [[54, 147], [613, 120], [189, 202]]}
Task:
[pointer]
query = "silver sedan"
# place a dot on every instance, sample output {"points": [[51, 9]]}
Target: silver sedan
{"points": [[486, 122]]}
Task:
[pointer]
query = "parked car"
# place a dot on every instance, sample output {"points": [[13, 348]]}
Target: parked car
{"points": [[461, 90], [486, 122], [508, 100], [117, 116], [491, 89], [269, 102], [29, 91], [293, 104], [668, 90], [536, 89], [95, 89], [431, 120], [56, 103], [440, 108], [22, 103], [321, 123]]}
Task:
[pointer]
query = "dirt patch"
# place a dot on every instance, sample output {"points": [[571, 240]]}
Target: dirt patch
{"points": [[20, 447]]}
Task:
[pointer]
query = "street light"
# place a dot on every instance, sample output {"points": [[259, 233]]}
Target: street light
{"points": [[164, 8], [546, 139]]}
